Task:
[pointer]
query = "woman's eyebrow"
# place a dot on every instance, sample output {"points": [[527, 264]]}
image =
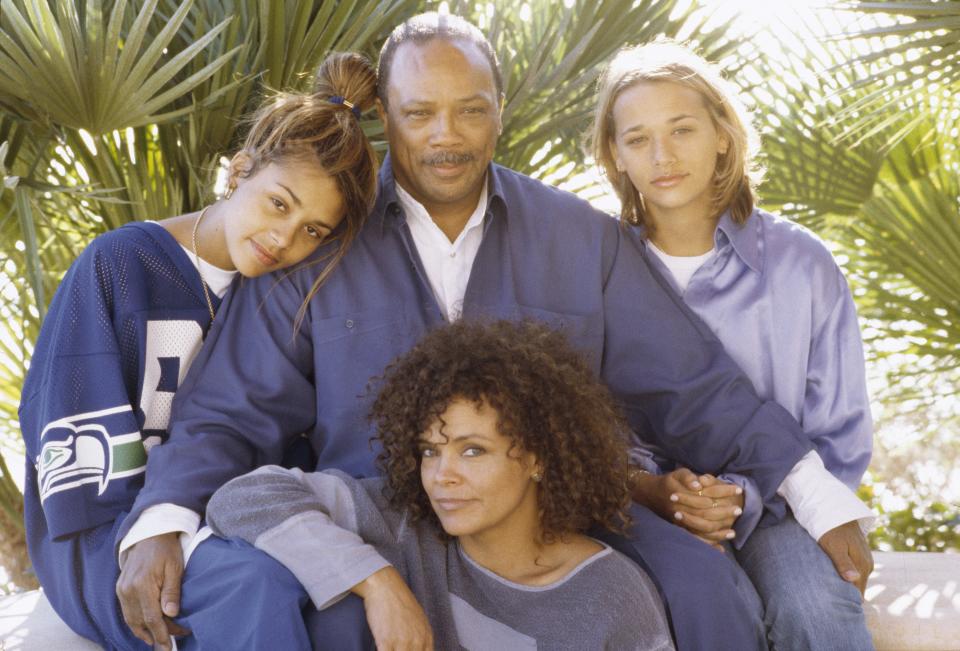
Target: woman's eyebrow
{"points": [[295, 198]]}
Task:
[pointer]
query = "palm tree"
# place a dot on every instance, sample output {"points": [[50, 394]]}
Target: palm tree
{"points": [[890, 199], [867, 156]]}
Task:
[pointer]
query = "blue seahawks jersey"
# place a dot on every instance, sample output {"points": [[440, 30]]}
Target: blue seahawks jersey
{"points": [[123, 327]]}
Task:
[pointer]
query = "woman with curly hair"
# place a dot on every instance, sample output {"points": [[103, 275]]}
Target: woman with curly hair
{"points": [[500, 450]]}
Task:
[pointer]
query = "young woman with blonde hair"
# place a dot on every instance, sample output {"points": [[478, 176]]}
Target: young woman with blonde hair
{"points": [[677, 145]]}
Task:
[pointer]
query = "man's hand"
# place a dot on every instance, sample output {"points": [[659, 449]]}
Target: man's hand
{"points": [[149, 589], [705, 506], [394, 615], [848, 549]]}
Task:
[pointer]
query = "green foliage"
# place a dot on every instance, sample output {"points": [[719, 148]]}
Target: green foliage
{"points": [[891, 203], [916, 52], [929, 527]]}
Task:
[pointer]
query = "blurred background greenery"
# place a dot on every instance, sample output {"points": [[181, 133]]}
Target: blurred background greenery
{"points": [[114, 110]]}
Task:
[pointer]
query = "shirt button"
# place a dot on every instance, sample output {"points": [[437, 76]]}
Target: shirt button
{"points": [[349, 323], [453, 254]]}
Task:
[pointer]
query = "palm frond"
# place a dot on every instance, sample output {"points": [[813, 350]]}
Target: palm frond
{"points": [[920, 56], [551, 60], [72, 68]]}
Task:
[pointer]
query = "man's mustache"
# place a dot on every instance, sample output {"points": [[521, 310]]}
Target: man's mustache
{"points": [[449, 158]]}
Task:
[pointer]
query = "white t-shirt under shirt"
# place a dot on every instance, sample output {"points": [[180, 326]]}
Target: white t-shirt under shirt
{"points": [[681, 267], [164, 518]]}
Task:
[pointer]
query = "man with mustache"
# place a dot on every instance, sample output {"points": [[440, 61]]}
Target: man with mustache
{"points": [[451, 236]]}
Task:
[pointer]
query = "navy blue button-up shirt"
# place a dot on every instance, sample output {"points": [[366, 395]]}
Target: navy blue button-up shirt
{"points": [[545, 255]]}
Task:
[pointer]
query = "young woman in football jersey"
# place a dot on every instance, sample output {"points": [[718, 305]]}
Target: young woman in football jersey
{"points": [[676, 143], [132, 312]]}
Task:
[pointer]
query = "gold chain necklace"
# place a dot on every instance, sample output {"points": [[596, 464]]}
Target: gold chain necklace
{"points": [[196, 254]]}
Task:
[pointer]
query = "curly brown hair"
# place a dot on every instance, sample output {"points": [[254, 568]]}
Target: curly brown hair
{"points": [[548, 402]]}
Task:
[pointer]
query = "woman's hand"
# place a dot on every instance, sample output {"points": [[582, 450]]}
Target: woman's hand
{"points": [[394, 615], [705, 506], [149, 589]]}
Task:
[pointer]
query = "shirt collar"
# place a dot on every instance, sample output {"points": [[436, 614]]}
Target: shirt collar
{"points": [[745, 238], [387, 205], [413, 209]]}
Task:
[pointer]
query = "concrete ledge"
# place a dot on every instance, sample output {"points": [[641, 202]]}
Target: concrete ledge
{"points": [[27, 622], [913, 604], [913, 601]]}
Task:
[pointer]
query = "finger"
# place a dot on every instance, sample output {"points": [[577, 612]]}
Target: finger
{"points": [[722, 535], [153, 621], [175, 629], [718, 532], [687, 479], [725, 516], [715, 545], [845, 566], [690, 501], [697, 524], [722, 490], [707, 480], [863, 560], [705, 503], [130, 609], [136, 626], [170, 590]]}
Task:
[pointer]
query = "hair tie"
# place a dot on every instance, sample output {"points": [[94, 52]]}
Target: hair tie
{"points": [[337, 99]]}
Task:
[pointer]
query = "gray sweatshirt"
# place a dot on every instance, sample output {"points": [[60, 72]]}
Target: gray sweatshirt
{"points": [[333, 531]]}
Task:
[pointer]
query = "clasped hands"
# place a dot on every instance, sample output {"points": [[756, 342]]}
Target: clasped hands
{"points": [[705, 506], [708, 507]]}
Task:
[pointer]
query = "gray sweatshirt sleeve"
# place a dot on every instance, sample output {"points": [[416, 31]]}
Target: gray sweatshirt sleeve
{"points": [[308, 522]]}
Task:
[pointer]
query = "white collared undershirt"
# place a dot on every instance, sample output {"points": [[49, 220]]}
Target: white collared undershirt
{"points": [[447, 264]]}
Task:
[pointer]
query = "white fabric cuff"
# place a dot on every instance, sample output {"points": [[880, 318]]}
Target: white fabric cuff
{"points": [[821, 502], [160, 519]]}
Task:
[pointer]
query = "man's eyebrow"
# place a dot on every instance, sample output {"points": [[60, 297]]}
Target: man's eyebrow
{"points": [[640, 127], [461, 100], [415, 102], [296, 199]]}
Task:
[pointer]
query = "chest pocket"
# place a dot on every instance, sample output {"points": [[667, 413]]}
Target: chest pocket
{"points": [[583, 331], [356, 325], [354, 347]]}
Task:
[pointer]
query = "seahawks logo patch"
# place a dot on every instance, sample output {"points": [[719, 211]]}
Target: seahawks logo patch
{"points": [[93, 448]]}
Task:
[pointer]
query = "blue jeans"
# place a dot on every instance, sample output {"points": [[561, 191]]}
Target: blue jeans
{"points": [[808, 606]]}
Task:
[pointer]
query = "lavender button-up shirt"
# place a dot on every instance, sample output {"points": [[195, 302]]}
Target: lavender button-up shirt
{"points": [[775, 297]]}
